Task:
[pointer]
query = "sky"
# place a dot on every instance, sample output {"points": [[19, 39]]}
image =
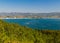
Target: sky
{"points": [[33, 6]]}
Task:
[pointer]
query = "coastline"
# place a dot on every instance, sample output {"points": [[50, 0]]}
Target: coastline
{"points": [[29, 18]]}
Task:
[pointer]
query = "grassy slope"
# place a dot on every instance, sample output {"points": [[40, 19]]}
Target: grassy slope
{"points": [[14, 33]]}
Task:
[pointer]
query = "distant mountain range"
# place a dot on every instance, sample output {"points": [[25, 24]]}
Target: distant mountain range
{"points": [[30, 14]]}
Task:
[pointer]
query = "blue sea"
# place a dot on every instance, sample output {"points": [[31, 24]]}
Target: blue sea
{"points": [[49, 24]]}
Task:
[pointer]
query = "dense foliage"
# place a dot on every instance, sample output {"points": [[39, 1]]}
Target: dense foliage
{"points": [[14, 33]]}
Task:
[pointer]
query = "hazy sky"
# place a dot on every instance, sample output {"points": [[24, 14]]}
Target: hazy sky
{"points": [[29, 5]]}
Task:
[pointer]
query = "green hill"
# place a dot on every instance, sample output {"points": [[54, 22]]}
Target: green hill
{"points": [[14, 33]]}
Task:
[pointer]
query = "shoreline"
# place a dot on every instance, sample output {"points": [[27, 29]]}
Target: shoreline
{"points": [[29, 18]]}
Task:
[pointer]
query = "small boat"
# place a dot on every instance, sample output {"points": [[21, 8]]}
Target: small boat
{"points": [[27, 23]]}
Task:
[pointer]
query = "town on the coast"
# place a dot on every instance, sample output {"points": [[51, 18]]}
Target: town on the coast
{"points": [[15, 15]]}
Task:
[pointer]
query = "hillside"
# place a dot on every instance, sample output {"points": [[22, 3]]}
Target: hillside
{"points": [[29, 14], [14, 33]]}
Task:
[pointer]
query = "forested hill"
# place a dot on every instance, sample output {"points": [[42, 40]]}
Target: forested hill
{"points": [[14, 33]]}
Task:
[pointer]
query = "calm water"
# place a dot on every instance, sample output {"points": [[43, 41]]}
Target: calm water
{"points": [[53, 24]]}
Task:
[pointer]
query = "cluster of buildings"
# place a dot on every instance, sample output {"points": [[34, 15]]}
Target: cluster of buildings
{"points": [[26, 17], [18, 17]]}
